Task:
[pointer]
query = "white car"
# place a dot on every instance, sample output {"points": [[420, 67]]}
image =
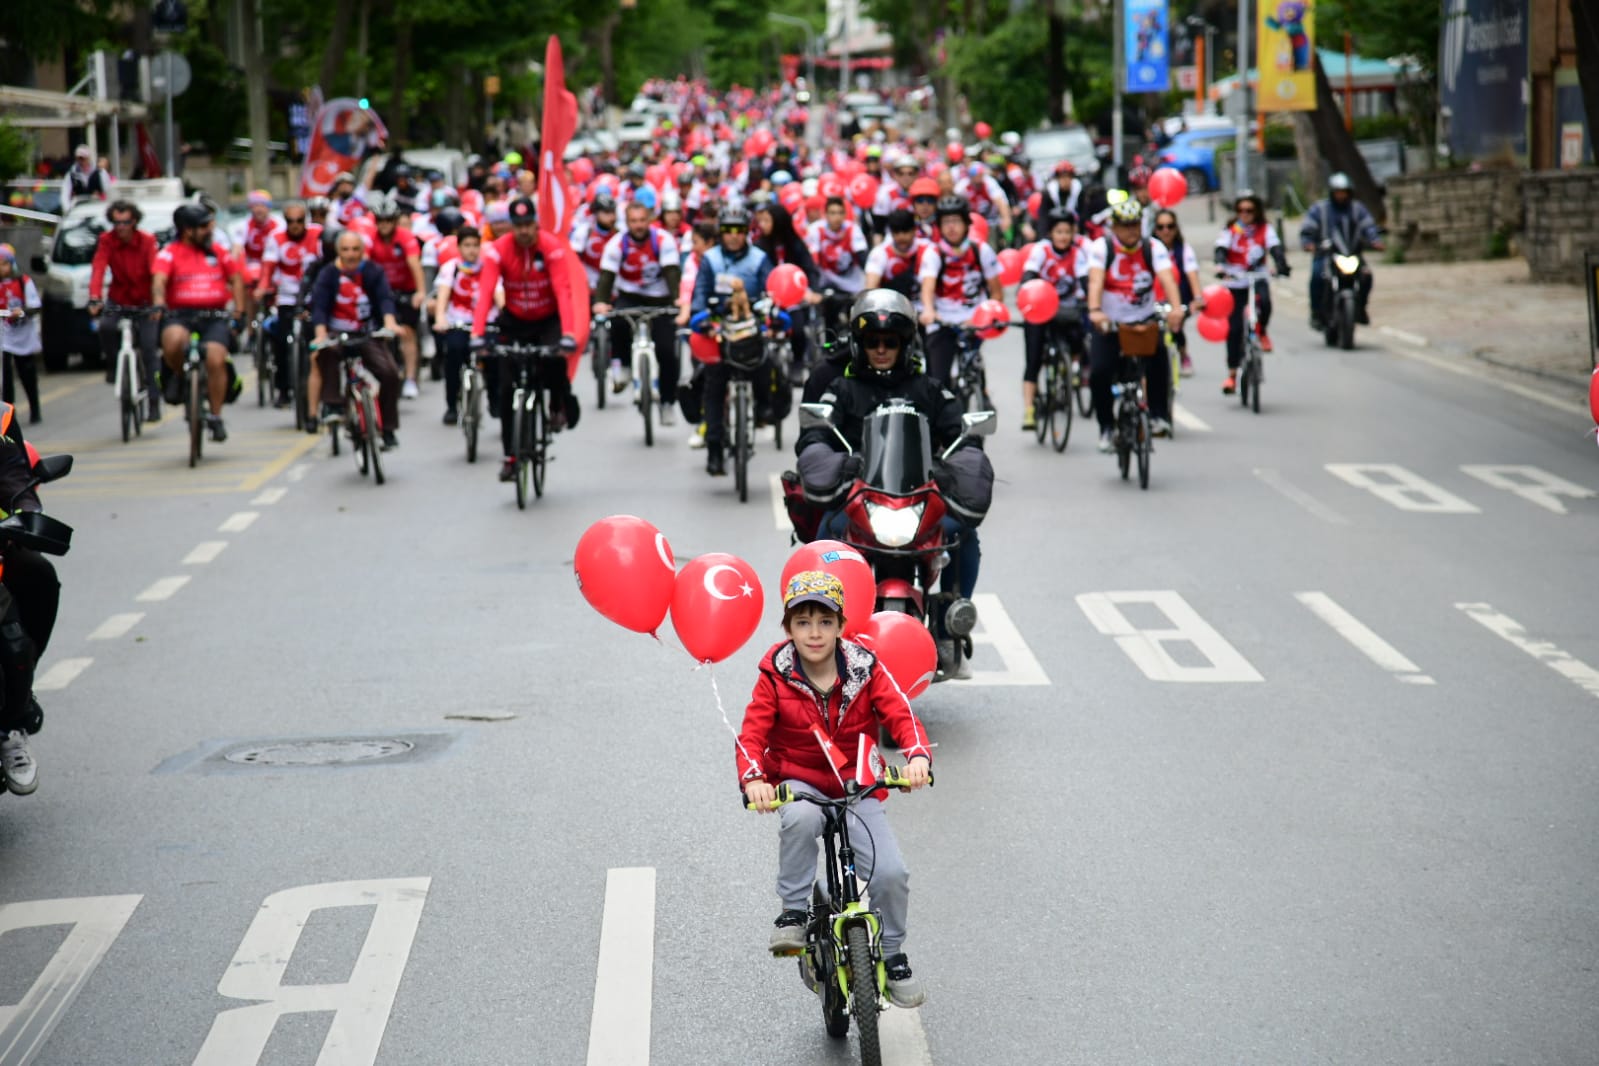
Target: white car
{"points": [[638, 127]]}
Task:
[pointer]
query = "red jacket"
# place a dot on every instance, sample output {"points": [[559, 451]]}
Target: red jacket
{"points": [[535, 278], [778, 743], [130, 263]]}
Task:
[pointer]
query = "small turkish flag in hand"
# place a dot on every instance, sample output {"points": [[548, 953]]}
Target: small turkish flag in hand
{"points": [[868, 762]]}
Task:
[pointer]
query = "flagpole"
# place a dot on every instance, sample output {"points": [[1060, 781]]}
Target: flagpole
{"points": [[1241, 119]]}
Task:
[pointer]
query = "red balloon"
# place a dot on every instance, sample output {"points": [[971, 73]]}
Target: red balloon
{"points": [[788, 285], [792, 196], [989, 319], [716, 606], [846, 564], [1037, 301], [904, 647], [1034, 202], [704, 348], [1593, 395], [582, 170], [979, 229], [1213, 329], [1011, 262], [1218, 301], [863, 190], [935, 168], [1167, 187], [829, 186], [625, 570], [983, 130]]}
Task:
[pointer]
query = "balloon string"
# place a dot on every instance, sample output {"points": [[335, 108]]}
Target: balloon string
{"points": [[717, 692]]}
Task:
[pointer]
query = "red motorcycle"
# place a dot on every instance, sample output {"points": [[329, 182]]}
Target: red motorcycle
{"points": [[895, 512]]}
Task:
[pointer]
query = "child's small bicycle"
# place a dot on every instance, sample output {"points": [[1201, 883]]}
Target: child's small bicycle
{"points": [[843, 956]]}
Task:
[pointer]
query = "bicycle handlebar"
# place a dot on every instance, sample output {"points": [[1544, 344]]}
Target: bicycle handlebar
{"points": [[521, 348], [348, 337], [893, 777], [635, 313]]}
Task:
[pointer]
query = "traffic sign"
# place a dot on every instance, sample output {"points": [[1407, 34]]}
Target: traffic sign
{"points": [[1187, 79], [164, 66]]}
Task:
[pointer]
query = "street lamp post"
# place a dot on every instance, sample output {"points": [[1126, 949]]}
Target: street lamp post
{"points": [[810, 43]]}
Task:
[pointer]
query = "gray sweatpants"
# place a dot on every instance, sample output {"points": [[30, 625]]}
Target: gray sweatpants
{"points": [[877, 860]]}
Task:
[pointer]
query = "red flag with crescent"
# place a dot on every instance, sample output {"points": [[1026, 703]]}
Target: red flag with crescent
{"points": [[341, 133], [556, 202]]}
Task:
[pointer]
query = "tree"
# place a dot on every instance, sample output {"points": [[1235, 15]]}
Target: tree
{"points": [[16, 151], [999, 72]]}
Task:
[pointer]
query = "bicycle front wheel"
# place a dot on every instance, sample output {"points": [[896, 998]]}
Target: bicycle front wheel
{"points": [[197, 409], [1085, 395], [521, 433], [1143, 449], [360, 436], [1254, 385], [130, 407], [863, 994], [541, 442], [1126, 427], [741, 444], [263, 365], [471, 409], [602, 363], [646, 403], [374, 444]]}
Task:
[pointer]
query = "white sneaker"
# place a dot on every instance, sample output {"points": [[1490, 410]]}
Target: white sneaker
{"points": [[1105, 444], [669, 415], [1159, 427], [621, 377], [696, 442], [409, 391], [16, 764]]}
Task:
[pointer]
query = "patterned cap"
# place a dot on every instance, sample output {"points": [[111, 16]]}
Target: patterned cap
{"points": [[814, 586], [258, 196], [522, 210]]}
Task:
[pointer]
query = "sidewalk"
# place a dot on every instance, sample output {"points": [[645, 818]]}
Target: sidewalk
{"points": [[1485, 313]]}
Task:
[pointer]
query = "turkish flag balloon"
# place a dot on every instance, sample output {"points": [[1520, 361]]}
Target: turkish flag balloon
{"points": [[1167, 187], [983, 130], [979, 229], [989, 319], [704, 348], [863, 190], [1010, 266], [1033, 203], [716, 606], [1037, 301], [1218, 301], [904, 648], [788, 285], [846, 564], [792, 196], [625, 570], [829, 186], [1212, 329], [1593, 395]]}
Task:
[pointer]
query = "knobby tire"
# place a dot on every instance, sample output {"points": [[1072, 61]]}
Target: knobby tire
{"points": [[863, 994], [1144, 446], [197, 409], [374, 439], [471, 408], [524, 448], [541, 442]]}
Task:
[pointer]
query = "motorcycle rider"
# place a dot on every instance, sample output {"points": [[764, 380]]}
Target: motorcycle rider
{"points": [[1339, 213], [31, 594], [883, 367]]}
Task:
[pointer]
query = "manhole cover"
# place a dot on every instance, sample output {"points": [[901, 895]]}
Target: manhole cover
{"points": [[319, 752]]}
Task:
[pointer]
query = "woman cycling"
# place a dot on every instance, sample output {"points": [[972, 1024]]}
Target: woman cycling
{"points": [[1185, 264]]}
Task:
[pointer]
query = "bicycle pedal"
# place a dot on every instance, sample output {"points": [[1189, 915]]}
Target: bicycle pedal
{"points": [[787, 953]]}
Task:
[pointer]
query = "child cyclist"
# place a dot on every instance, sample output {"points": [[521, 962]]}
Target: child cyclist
{"points": [[816, 686]]}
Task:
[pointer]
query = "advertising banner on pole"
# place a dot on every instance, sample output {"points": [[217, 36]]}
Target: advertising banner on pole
{"points": [[1482, 69], [1148, 46], [1286, 40]]}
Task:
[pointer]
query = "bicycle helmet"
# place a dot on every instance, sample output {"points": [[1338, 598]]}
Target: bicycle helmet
{"points": [[602, 204], [448, 221], [191, 216], [924, 187], [1127, 209], [403, 171], [1065, 169], [645, 197], [1057, 215], [733, 215], [318, 204], [1252, 197], [385, 207], [952, 205], [881, 311], [671, 200], [443, 198]]}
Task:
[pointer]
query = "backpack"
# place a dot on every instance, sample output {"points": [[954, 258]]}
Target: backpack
{"points": [[655, 243]]}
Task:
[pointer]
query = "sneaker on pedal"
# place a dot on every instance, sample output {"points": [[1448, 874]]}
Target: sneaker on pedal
{"points": [[1265, 341], [619, 376], [1230, 384], [508, 469], [409, 391], [713, 461], [1029, 420], [219, 432], [280, 399], [1106, 443], [390, 441], [152, 408], [904, 990], [1159, 427], [172, 386], [697, 441], [1187, 366], [788, 933], [572, 411], [668, 414], [17, 765], [451, 417]]}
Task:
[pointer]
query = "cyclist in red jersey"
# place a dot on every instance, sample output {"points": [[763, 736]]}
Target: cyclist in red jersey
{"points": [[193, 273], [398, 253], [539, 309], [129, 254]]}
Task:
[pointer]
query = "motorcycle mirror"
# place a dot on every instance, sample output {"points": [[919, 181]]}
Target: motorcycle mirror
{"points": [[52, 468], [980, 423], [815, 415]]}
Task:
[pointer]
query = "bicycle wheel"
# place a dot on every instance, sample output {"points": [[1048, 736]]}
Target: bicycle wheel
{"points": [[524, 447], [1085, 395], [361, 434], [374, 441], [646, 403], [1125, 428], [1143, 449], [835, 1006], [1243, 378], [602, 363], [263, 364], [197, 409], [741, 443], [1044, 400], [1254, 385], [541, 442], [130, 407], [863, 994], [471, 409], [302, 368], [1061, 413]]}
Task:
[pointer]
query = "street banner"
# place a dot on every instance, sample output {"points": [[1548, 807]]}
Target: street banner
{"points": [[556, 203], [1285, 56], [1147, 47], [341, 135], [1482, 67]]}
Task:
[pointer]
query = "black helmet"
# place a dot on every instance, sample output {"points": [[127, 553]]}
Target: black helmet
{"points": [[1059, 214], [191, 216], [635, 169], [881, 311], [403, 171], [952, 205], [448, 221], [603, 202], [734, 215]]}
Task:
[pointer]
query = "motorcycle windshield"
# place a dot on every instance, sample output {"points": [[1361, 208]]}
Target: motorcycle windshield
{"points": [[895, 450]]}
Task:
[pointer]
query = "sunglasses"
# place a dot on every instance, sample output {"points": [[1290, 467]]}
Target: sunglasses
{"points": [[735, 229], [925, 200], [881, 342], [1164, 225], [122, 222], [294, 221], [1246, 210]]}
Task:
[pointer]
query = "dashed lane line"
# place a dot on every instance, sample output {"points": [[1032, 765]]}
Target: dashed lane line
{"points": [[116, 626], [1557, 659], [238, 522], [1188, 420], [269, 496], [1290, 491], [204, 552], [61, 674], [619, 1030], [1365, 641], [163, 589]]}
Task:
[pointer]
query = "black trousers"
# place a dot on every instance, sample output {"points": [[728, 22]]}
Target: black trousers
{"points": [[941, 347], [663, 332], [24, 368], [35, 594], [1106, 368], [1235, 327], [551, 371], [282, 322], [1071, 329], [456, 345]]}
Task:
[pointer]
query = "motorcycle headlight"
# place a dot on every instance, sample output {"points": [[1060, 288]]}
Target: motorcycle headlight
{"points": [[1346, 264], [894, 527]]}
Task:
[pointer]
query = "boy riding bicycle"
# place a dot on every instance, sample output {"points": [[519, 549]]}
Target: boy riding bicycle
{"points": [[817, 697]]}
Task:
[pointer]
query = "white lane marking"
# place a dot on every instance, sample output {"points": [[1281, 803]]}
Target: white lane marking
{"points": [[1147, 647], [1188, 420], [779, 508], [238, 522], [298, 471], [1531, 484], [619, 1034], [1405, 490], [995, 628], [1298, 495], [61, 674], [361, 1004], [1365, 641], [116, 626], [1454, 366], [96, 923], [269, 496], [1561, 662], [903, 1042], [205, 552], [163, 589], [1403, 335]]}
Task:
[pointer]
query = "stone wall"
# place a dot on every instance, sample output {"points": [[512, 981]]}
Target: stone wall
{"points": [[1448, 215], [1561, 222]]}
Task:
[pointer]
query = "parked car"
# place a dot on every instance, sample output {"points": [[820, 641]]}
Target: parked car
{"points": [[1044, 148], [638, 127], [1194, 153]]}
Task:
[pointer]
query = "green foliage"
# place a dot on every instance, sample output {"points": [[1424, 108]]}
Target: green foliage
{"points": [[42, 30], [1000, 72], [16, 151], [213, 110], [1383, 28]]}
